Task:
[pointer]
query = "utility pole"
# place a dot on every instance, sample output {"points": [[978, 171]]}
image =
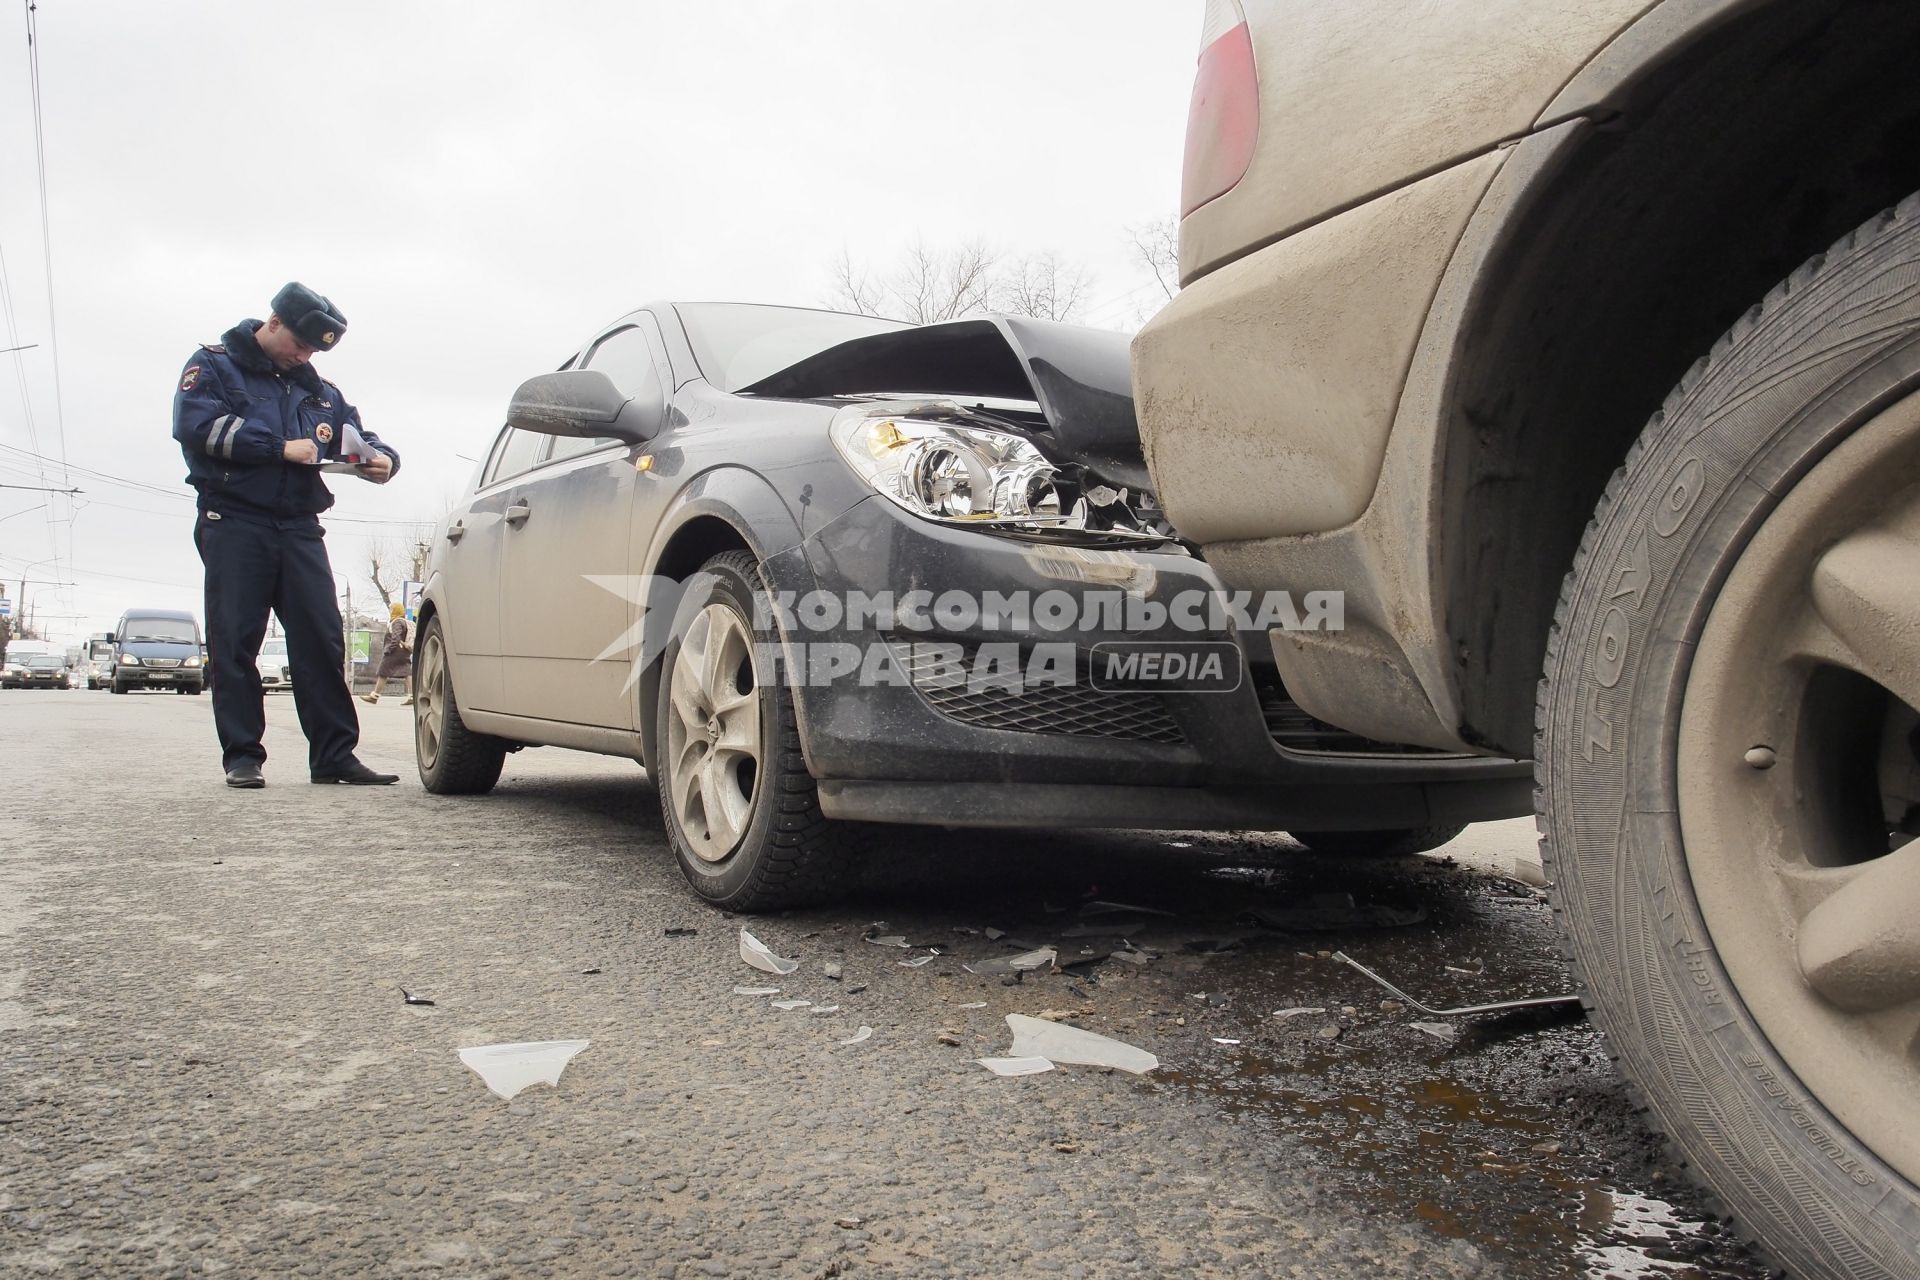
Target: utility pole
{"points": [[346, 634]]}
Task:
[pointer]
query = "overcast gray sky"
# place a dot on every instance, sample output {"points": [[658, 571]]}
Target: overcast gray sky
{"points": [[479, 185]]}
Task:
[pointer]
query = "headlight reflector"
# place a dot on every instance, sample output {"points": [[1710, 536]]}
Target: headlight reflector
{"points": [[944, 471]]}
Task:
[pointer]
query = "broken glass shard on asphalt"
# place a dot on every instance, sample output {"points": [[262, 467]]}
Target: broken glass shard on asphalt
{"points": [[509, 1068], [761, 957], [1025, 962], [1016, 1066], [756, 991], [1058, 1042], [864, 1033], [792, 1004]]}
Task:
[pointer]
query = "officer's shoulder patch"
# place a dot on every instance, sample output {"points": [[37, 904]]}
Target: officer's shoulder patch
{"points": [[191, 376], [214, 347]]}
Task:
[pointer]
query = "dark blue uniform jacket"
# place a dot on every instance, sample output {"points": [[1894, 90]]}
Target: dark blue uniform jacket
{"points": [[234, 413]]}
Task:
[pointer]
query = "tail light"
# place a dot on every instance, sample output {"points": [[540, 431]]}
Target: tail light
{"points": [[1224, 121]]}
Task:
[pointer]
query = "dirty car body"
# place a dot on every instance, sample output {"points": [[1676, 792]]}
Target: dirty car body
{"points": [[1577, 341], [781, 433]]}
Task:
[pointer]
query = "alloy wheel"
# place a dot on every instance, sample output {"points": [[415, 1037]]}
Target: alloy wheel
{"points": [[1798, 772], [430, 700], [713, 733]]}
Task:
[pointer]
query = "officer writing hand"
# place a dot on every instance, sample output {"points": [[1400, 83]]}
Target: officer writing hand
{"points": [[380, 470], [302, 451]]}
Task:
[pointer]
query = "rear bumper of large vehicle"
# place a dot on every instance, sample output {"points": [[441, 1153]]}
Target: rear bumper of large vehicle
{"points": [[1293, 408], [1075, 754]]}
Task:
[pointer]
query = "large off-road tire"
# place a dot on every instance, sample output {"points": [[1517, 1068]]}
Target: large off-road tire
{"points": [[453, 760], [1729, 766], [1397, 842], [742, 813]]}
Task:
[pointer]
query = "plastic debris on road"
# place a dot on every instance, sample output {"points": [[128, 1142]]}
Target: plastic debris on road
{"points": [[1284, 1014], [917, 961], [888, 940], [974, 1004], [793, 1004], [1016, 1066], [1058, 1042], [681, 931], [1025, 962], [1438, 1030], [1134, 956], [756, 991], [409, 998], [509, 1068], [826, 1008], [761, 957], [1224, 1040], [864, 1033]]}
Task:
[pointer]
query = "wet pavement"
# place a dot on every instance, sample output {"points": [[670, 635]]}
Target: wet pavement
{"points": [[207, 1064]]}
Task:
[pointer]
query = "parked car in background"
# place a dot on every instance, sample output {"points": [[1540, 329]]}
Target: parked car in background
{"points": [[275, 670], [621, 576], [32, 668], [156, 649], [1577, 343]]}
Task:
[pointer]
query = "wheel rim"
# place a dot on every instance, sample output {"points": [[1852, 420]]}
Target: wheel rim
{"points": [[430, 700], [713, 733], [1798, 771]]}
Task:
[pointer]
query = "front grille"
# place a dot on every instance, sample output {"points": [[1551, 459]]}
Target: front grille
{"points": [[1076, 710], [160, 662], [1292, 727]]}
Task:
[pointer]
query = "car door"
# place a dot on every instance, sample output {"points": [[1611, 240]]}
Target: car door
{"points": [[565, 607], [469, 592]]}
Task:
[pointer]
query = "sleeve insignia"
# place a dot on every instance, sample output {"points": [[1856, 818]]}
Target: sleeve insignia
{"points": [[192, 376], [324, 433]]}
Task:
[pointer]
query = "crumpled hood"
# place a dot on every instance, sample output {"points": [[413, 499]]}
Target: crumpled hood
{"points": [[1079, 376]]}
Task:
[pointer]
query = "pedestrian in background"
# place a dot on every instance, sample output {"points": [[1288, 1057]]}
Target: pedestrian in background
{"points": [[396, 659], [255, 422]]}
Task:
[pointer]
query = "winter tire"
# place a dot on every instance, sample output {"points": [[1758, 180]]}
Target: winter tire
{"points": [[1729, 775], [742, 813], [453, 760]]}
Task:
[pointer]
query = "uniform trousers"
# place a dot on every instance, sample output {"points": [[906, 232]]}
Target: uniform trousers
{"points": [[257, 564]]}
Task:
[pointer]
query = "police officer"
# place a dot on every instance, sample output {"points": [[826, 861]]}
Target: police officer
{"points": [[255, 421]]}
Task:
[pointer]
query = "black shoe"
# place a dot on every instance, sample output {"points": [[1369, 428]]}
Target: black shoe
{"points": [[354, 774], [245, 774]]}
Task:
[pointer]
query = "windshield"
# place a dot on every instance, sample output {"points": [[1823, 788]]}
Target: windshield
{"points": [[274, 649], [739, 343], [44, 661], [172, 630], [100, 649]]}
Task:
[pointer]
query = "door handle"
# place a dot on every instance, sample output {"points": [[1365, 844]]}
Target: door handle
{"points": [[517, 514], [456, 531]]}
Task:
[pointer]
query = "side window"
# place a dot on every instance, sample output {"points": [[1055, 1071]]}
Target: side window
{"points": [[625, 357], [520, 451]]}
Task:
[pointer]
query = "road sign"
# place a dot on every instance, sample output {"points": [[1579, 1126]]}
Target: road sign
{"points": [[6, 607]]}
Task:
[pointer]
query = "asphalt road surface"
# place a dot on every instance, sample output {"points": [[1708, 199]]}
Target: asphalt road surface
{"points": [[207, 1065]]}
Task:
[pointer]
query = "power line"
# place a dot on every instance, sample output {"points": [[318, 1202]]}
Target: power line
{"points": [[46, 226]]}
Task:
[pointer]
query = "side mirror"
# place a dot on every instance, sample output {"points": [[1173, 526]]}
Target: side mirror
{"points": [[583, 403], [112, 639]]}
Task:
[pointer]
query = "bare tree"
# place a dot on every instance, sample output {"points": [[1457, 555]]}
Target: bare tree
{"points": [[927, 286], [1156, 245], [396, 559], [1043, 286]]}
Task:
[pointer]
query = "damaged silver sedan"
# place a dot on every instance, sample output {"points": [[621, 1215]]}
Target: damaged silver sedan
{"points": [[820, 571]]}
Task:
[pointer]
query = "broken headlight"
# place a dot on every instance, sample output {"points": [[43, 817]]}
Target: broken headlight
{"points": [[945, 471]]}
